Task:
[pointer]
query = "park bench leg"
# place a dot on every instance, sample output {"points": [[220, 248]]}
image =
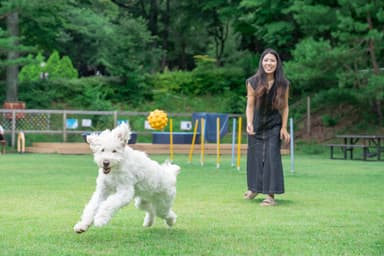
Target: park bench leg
{"points": [[331, 151], [345, 152], [3, 145]]}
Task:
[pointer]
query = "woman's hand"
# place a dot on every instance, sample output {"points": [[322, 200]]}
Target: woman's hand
{"points": [[250, 130], [284, 135]]}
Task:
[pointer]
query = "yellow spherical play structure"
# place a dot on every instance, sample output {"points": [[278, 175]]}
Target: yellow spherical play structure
{"points": [[157, 119]]}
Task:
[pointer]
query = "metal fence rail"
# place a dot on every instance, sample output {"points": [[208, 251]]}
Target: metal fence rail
{"points": [[67, 122]]}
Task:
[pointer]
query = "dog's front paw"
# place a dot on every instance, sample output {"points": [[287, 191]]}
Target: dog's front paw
{"points": [[100, 221], [80, 227]]}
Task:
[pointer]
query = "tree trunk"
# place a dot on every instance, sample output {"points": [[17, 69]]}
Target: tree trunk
{"points": [[166, 22], [13, 69], [376, 71], [153, 16]]}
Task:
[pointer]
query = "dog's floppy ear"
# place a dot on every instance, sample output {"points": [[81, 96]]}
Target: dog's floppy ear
{"points": [[123, 132], [92, 140]]}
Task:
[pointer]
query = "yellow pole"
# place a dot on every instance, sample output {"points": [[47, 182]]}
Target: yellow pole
{"points": [[171, 139], [218, 142], [193, 140], [202, 135], [21, 142], [239, 144]]}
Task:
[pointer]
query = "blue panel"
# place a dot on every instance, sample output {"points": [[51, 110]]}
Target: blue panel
{"points": [[210, 124]]}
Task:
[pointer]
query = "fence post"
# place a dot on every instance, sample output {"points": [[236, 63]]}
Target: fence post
{"points": [[64, 126], [13, 128], [114, 118]]}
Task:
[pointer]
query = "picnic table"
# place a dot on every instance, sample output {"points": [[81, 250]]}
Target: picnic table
{"points": [[371, 145]]}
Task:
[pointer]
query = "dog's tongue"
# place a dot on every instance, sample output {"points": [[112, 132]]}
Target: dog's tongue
{"points": [[106, 170]]}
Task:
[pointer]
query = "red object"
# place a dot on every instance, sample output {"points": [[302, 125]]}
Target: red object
{"points": [[14, 105]]}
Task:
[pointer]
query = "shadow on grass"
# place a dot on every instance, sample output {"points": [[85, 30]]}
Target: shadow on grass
{"points": [[279, 202], [130, 234]]}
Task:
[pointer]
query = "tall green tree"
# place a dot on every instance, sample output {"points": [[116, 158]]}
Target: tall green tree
{"points": [[219, 16], [361, 35], [339, 47], [268, 25], [11, 47], [315, 64]]}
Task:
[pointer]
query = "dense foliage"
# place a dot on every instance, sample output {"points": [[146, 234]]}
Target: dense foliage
{"points": [[54, 68], [143, 50]]}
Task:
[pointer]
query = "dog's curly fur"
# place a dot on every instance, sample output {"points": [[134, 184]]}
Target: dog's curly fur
{"points": [[126, 174]]}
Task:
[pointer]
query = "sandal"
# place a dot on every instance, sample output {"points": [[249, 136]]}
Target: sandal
{"points": [[268, 202], [249, 195]]}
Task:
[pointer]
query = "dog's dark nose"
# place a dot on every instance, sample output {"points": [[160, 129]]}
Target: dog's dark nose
{"points": [[106, 163]]}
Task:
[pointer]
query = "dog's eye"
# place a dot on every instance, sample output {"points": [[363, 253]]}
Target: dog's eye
{"points": [[114, 151], [102, 150]]}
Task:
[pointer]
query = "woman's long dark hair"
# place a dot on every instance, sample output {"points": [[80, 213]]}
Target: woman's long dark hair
{"points": [[261, 83]]}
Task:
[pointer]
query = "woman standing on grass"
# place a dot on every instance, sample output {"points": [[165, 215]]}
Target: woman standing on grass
{"points": [[267, 116]]}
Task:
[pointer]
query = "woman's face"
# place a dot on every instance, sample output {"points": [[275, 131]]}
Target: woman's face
{"points": [[269, 63]]}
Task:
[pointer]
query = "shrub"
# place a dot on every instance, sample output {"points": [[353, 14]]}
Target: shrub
{"points": [[201, 81], [328, 120], [333, 97], [54, 68], [92, 93], [175, 81]]}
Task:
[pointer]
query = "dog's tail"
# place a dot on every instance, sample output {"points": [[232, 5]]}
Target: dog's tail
{"points": [[173, 168]]}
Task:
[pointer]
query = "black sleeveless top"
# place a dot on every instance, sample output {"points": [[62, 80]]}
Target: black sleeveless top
{"points": [[265, 116]]}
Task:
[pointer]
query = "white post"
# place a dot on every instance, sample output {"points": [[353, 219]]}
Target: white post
{"points": [[309, 115], [233, 141], [64, 126], [292, 147]]}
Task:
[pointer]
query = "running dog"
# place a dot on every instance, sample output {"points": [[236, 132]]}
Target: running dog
{"points": [[126, 174]]}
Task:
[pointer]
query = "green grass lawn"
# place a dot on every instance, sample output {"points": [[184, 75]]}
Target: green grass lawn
{"points": [[331, 207]]}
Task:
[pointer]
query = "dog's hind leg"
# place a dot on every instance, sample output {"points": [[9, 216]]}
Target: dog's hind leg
{"points": [[170, 220], [146, 206], [167, 214]]}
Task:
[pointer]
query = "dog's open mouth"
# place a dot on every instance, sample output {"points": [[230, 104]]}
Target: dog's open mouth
{"points": [[106, 170]]}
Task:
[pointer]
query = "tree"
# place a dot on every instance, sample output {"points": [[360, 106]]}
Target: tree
{"points": [[219, 16], [12, 45], [9, 42], [13, 55], [361, 34], [314, 66], [268, 24]]}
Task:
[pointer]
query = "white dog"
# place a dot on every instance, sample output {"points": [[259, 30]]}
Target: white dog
{"points": [[125, 174]]}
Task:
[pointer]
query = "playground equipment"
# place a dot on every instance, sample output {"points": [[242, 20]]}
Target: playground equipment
{"points": [[292, 143], [157, 119], [218, 141], [239, 143], [193, 141], [202, 137], [171, 139]]}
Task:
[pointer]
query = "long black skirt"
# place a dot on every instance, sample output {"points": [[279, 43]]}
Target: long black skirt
{"points": [[264, 165]]}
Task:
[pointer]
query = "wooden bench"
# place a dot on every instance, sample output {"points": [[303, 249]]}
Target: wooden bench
{"points": [[3, 146], [348, 147]]}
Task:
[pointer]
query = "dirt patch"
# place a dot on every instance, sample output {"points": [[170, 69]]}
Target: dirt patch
{"points": [[326, 123]]}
